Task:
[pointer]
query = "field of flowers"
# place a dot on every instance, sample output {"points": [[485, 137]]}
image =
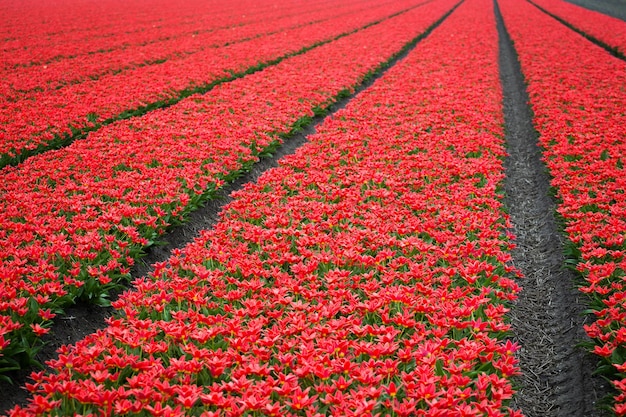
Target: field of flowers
{"points": [[607, 30], [44, 112], [77, 218], [370, 273]]}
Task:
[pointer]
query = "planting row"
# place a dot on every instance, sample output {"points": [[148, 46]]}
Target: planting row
{"points": [[47, 119], [55, 74], [576, 91], [39, 34], [73, 220], [606, 29], [367, 275]]}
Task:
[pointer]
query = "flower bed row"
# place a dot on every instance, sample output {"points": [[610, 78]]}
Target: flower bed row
{"points": [[17, 82], [73, 220], [48, 119], [608, 30], [577, 95], [367, 275], [39, 34]]}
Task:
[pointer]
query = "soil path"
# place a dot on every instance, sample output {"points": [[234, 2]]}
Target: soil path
{"points": [[615, 8], [548, 316]]}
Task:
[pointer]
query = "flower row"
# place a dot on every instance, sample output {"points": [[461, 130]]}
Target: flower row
{"points": [[48, 118], [17, 82], [73, 220], [366, 275], [608, 30], [42, 33], [577, 95]]}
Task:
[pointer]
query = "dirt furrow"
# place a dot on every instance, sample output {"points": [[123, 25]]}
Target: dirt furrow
{"points": [[548, 317], [615, 8]]}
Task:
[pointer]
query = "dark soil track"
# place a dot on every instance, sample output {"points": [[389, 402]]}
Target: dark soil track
{"points": [[547, 319], [615, 8]]}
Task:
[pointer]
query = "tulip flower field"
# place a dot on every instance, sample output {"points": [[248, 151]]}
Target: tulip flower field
{"points": [[77, 218], [369, 274], [605, 29], [40, 113]]}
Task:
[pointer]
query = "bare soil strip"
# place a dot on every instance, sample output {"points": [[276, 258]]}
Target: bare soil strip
{"points": [[548, 317], [615, 8], [83, 319]]}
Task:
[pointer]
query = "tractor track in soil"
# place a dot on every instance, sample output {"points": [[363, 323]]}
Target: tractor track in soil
{"points": [[547, 318], [614, 8]]}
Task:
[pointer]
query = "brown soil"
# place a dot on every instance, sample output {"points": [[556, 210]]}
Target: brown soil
{"points": [[548, 317], [615, 8]]}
